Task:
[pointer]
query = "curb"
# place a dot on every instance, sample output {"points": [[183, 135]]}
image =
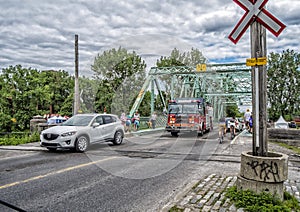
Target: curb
{"points": [[36, 147], [241, 135], [144, 132]]}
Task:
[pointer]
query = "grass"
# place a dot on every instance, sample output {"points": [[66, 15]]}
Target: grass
{"points": [[19, 139], [176, 209], [293, 148], [263, 202]]}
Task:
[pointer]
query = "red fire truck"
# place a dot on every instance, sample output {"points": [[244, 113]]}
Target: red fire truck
{"points": [[188, 114]]}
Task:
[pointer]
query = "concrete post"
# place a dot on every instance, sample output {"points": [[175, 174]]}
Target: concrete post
{"points": [[263, 174]]}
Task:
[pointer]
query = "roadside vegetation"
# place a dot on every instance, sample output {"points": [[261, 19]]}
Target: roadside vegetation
{"points": [[176, 209], [293, 148], [264, 202], [20, 138]]}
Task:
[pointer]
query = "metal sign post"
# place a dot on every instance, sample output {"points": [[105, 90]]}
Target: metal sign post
{"points": [[259, 19], [259, 90]]}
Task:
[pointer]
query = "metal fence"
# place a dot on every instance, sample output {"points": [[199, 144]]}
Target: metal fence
{"points": [[161, 121]]}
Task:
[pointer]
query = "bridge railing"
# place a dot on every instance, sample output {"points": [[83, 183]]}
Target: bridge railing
{"points": [[161, 121]]}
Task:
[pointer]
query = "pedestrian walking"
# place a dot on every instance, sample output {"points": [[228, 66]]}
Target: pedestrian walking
{"points": [[123, 119], [153, 120], [246, 118], [128, 124]]}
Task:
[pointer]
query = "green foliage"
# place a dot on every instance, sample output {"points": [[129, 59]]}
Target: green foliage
{"points": [[5, 122], [16, 139], [294, 148], [120, 77], [290, 201], [177, 58], [253, 202], [283, 84], [58, 87], [232, 110], [176, 209], [27, 92], [88, 89], [145, 107], [66, 107], [158, 106]]}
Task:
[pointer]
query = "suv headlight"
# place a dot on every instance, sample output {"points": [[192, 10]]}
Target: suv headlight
{"points": [[68, 134]]}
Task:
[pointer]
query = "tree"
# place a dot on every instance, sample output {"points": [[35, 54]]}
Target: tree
{"points": [[145, 107], [182, 59], [88, 89], [283, 83], [232, 110], [120, 76], [29, 92], [58, 88], [190, 59], [158, 102], [20, 100]]}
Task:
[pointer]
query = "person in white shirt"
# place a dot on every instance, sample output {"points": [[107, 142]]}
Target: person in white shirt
{"points": [[153, 120], [136, 120], [246, 118]]}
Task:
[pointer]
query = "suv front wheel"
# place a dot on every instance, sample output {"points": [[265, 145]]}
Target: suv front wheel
{"points": [[118, 138], [81, 143]]}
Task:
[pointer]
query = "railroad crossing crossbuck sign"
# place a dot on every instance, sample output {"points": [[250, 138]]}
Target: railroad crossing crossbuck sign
{"points": [[255, 11]]}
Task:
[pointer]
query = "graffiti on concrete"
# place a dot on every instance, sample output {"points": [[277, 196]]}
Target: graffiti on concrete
{"points": [[265, 170]]}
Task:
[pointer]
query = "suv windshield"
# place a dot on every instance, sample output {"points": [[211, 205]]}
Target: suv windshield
{"points": [[78, 121]]}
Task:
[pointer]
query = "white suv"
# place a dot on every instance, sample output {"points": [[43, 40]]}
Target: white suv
{"points": [[81, 130]]}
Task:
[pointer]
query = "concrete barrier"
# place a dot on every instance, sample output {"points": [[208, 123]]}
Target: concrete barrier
{"points": [[263, 174], [288, 136], [272, 169]]}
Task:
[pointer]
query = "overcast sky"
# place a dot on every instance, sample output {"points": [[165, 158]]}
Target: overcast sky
{"points": [[41, 34]]}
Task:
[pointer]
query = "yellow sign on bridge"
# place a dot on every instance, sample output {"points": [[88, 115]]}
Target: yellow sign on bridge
{"points": [[201, 67]]}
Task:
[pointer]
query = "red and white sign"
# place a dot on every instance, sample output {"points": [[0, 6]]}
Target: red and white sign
{"points": [[255, 11]]}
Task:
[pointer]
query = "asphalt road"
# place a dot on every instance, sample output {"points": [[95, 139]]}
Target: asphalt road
{"points": [[143, 174]]}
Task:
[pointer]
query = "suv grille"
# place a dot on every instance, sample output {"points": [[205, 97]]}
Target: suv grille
{"points": [[50, 137]]}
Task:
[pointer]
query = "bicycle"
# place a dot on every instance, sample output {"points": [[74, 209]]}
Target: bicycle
{"points": [[232, 134], [221, 137], [221, 132]]}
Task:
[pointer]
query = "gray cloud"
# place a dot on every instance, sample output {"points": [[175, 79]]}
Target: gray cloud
{"points": [[40, 34]]}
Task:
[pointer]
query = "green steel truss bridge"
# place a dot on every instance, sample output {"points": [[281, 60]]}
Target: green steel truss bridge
{"points": [[220, 84]]}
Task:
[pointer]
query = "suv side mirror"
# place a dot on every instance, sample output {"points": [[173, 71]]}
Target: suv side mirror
{"points": [[96, 125]]}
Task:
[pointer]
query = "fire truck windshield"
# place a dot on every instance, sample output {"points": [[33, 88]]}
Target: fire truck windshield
{"points": [[184, 108], [175, 109], [190, 108]]}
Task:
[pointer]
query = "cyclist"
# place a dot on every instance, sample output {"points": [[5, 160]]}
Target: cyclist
{"points": [[222, 129]]}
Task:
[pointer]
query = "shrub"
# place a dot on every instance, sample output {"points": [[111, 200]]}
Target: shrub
{"points": [[263, 202], [16, 139]]}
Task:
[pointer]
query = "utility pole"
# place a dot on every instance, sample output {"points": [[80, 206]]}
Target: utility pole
{"points": [[76, 89], [259, 90]]}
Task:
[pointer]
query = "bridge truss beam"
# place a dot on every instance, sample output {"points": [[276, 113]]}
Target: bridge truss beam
{"points": [[219, 83]]}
